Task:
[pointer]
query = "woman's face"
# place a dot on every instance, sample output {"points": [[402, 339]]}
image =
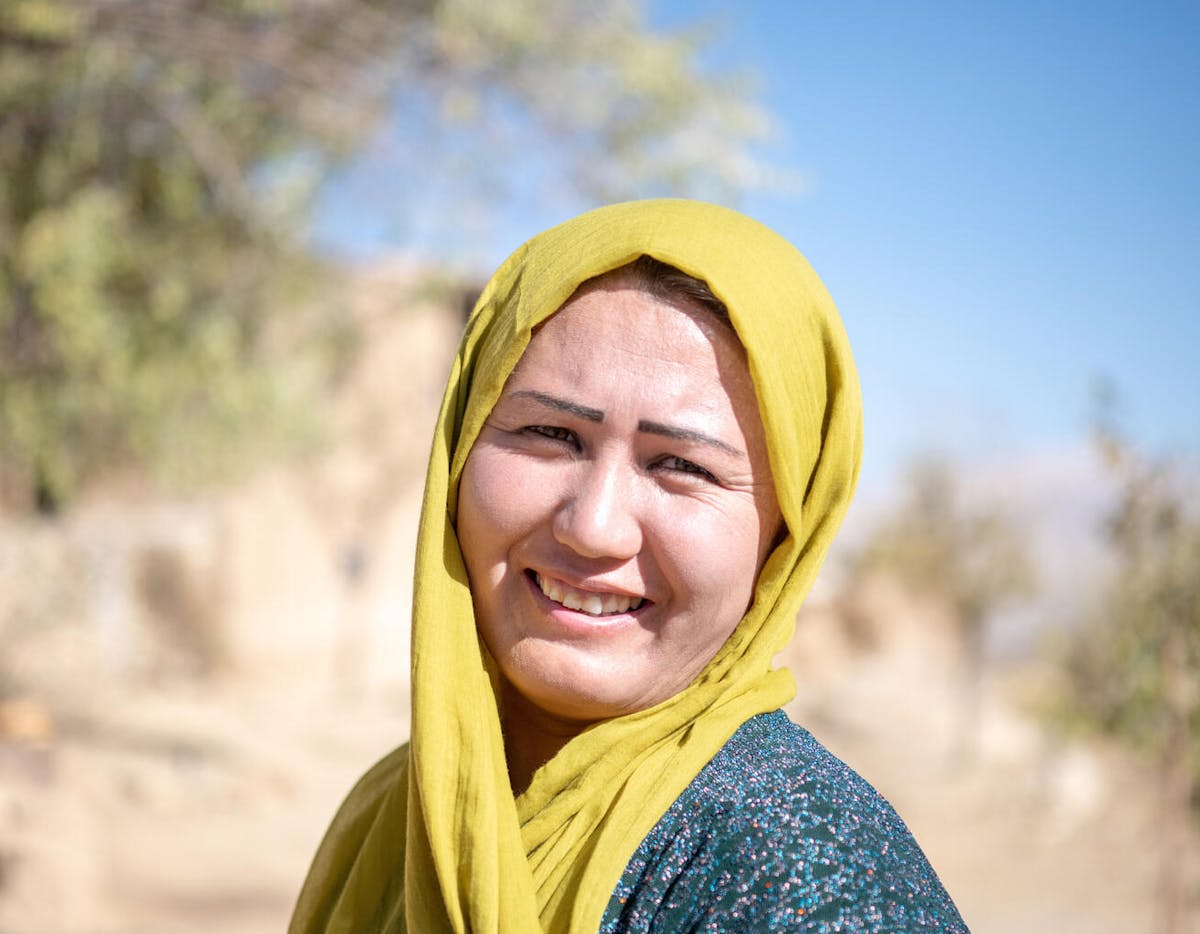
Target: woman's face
{"points": [[617, 506]]}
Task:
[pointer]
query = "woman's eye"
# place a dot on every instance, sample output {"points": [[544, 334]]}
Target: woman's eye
{"points": [[679, 465], [553, 432]]}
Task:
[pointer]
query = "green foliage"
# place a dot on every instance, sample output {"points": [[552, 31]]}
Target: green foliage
{"points": [[159, 159], [1133, 669], [138, 268]]}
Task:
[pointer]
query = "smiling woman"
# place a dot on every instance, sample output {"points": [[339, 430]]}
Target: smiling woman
{"points": [[614, 511], [650, 435]]}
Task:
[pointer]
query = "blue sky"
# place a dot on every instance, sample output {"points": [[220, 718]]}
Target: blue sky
{"points": [[1002, 197]]}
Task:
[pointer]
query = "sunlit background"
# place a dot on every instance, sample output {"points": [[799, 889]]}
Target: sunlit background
{"points": [[237, 242], [1002, 197]]}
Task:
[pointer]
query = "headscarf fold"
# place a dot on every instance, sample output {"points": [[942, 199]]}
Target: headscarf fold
{"points": [[432, 839]]}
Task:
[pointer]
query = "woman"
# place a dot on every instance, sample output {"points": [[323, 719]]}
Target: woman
{"points": [[650, 434]]}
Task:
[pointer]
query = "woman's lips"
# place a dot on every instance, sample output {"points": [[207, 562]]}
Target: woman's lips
{"points": [[591, 602]]}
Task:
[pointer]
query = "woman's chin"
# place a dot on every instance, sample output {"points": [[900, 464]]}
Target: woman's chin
{"points": [[580, 690]]}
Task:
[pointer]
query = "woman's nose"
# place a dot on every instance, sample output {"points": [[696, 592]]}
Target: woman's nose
{"points": [[598, 517]]}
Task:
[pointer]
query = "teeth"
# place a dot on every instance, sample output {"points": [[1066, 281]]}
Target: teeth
{"points": [[593, 604]]}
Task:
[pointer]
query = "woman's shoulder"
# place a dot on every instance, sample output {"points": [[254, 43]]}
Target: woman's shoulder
{"points": [[771, 764], [765, 749], [775, 779], [777, 832]]}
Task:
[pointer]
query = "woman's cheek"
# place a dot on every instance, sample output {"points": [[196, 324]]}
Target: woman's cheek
{"points": [[505, 492]]}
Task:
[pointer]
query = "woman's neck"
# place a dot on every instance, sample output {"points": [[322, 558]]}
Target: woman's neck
{"points": [[531, 737]]}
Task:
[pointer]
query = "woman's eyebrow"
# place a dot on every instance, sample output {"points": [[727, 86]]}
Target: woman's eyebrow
{"points": [[653, 428], [563, 405], [688, 434]]}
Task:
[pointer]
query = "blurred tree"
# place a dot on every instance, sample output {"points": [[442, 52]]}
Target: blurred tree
{"points": [[159, 162], [1133, 669], [970, 559]]}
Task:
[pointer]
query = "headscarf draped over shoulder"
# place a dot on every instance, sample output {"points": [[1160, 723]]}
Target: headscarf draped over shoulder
{"points": [[432, 838]]}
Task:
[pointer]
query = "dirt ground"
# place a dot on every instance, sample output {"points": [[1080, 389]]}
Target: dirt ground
{"points": [[162, 811]]}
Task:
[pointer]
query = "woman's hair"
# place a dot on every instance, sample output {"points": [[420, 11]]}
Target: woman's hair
{"points": [[665, 282]]}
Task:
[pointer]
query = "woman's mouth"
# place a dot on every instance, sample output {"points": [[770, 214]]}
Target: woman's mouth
{"points": [[586, 601]]}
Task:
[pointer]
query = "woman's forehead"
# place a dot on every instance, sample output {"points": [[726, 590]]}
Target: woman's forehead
{"points": [[613, 290], [622, 349], [616, 313]]}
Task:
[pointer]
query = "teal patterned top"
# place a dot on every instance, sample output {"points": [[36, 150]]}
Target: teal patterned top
{"points": [[776, 834]]}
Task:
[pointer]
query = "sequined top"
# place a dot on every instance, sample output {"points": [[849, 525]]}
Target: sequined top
{"points": [[775, 834]]}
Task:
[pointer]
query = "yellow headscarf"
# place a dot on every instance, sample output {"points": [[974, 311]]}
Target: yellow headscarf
{"points": [[432, 839]]}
